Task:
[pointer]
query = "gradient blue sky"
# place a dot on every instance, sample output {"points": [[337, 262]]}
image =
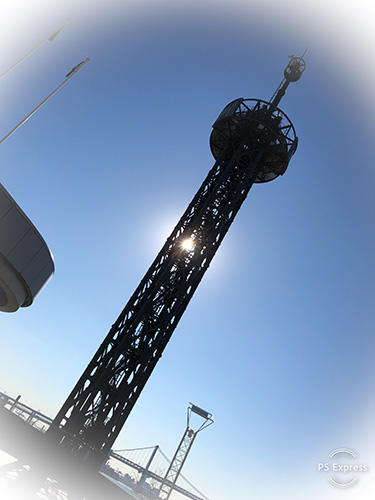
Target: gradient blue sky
{"points": [[278, 340]]}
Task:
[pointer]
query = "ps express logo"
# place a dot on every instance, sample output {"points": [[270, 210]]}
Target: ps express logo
{"points": [[344, 468]]}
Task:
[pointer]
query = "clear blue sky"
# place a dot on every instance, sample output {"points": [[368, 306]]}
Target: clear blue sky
{"points": [[278, 341]]}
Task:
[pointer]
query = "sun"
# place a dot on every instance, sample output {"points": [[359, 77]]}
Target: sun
{"points": [[188, 244]]}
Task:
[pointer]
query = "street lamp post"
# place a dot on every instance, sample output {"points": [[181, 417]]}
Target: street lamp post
{"points": [[49, 38], [175, 467], [68, 76]]}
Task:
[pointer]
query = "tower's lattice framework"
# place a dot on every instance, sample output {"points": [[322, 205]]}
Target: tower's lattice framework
{"points": [[252, 141]]}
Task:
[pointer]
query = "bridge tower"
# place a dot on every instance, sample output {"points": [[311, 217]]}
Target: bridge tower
{"points": [[252, 141]]}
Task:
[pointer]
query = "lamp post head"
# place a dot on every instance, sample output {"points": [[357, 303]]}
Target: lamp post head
{"points": [[207, 417]]}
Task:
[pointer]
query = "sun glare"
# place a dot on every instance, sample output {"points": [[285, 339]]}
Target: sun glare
{"points": [[188, 244]]}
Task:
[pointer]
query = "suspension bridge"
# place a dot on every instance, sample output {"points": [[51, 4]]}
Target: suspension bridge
{"points": [[143, 469]]}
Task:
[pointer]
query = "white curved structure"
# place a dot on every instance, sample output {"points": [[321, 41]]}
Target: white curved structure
{"points": [[26, 263]]}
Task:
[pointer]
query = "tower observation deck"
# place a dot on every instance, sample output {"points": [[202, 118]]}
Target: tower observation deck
{"points": [[252, 141]]}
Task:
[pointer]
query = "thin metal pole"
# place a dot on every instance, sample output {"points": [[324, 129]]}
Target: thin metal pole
{"points": [[67, 77], [15, 402], [49, 38]]}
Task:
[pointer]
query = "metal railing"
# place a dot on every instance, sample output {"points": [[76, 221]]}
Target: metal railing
{"points": [[33, 417]]}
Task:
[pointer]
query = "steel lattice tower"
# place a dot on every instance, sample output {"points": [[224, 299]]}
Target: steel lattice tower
{"points": [[252, 142], [183, 449]]}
